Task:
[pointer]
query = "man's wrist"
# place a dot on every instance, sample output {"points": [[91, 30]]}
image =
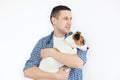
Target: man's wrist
{"points": [[54, 54]]}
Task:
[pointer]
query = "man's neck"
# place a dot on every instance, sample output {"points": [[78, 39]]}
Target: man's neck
{"points": [[57, 34]]}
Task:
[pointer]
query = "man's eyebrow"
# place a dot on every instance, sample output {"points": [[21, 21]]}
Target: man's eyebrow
{"points": [[67, 17]]}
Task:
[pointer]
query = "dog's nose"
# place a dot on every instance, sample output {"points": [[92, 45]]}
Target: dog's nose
{"points": [[87, 48]]}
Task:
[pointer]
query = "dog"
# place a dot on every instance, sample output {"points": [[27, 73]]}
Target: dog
{"points": [[70, 45]]}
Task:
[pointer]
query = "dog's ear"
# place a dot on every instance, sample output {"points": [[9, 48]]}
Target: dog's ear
{"points": [[78, 32], [76, 36]]}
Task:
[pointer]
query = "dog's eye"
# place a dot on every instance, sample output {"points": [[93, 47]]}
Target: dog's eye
{"points": [[83, 42], [77, 36]]}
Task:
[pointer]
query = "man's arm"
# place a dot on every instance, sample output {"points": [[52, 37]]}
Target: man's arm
{"points": [[37, 74], [70, 60], [31, 69]]}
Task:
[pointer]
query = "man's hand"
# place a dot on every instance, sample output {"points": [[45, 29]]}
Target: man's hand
{"points": [[62, 74], [47, 51]]}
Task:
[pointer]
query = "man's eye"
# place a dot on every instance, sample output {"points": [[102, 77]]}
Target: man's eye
{"points": [[66, 18]]}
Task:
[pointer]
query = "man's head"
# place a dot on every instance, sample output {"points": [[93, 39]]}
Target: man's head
{"points": [[56, 11], [61, 19]]}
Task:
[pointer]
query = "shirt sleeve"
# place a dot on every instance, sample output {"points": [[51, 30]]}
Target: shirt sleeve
{"points": [[34, 59], [82, 55]]}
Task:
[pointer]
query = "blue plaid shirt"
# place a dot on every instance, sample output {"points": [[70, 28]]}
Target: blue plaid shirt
{"points": [[47, 42]]}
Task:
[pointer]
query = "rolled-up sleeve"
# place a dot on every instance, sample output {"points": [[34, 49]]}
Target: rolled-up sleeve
{"points": [[82, 55], [34, 59]]}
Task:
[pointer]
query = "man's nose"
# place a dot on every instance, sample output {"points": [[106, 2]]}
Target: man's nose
{"points": [[69, 22]]}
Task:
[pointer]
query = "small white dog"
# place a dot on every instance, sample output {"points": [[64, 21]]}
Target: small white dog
{"points": [[70, 45]]}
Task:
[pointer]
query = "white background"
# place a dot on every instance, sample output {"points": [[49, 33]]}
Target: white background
{"points": [[24, 22]]}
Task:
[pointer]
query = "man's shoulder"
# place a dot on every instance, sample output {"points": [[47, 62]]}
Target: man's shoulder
{"points": [[46, 38]]}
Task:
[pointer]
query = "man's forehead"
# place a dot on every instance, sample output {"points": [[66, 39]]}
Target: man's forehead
{"points": [[66, 13]]}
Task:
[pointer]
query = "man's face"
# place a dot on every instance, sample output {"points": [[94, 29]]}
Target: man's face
{"points": [[62, 24]]}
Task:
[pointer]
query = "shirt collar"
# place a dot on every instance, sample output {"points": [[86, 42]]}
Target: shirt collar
{"points": [[50, 42]]}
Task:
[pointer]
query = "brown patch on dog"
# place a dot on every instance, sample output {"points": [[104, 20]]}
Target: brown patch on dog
{"points": [[78, 38]]}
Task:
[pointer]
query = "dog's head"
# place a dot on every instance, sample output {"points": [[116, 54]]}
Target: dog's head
{"points": [[76, 40]]}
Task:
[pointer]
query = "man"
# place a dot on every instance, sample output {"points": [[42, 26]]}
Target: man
{"points": [[61, 21]]}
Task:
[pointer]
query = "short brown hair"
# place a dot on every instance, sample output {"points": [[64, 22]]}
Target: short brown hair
{"points": [[55, 11]]}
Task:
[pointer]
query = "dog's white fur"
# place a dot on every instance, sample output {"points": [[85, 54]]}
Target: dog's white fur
{"points": [[68, 46]]}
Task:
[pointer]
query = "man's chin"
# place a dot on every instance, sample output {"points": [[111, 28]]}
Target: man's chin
{"points": [[67, 32]]}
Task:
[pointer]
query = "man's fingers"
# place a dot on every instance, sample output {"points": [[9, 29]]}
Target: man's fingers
{"points": [[64, 68], [61, 68]]}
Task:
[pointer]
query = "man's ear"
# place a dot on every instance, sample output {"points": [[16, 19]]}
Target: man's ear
{"points": [[53, 20]]}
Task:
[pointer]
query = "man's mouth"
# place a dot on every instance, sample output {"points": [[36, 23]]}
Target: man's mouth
{"points": [[68, 27]]}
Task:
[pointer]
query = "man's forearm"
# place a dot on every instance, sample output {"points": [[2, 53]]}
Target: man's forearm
{"points": [[36, 73], [70, 60]]}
